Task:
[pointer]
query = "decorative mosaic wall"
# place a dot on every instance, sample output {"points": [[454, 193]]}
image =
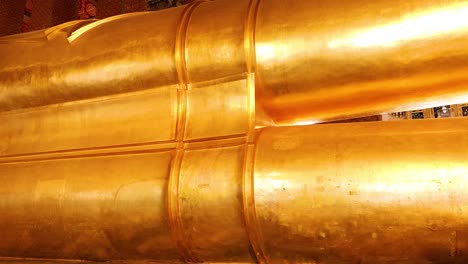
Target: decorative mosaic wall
{"points": [[458, 110]]}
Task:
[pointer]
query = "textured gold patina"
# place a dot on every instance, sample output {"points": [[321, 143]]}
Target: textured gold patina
{"points": [[186, 135]]}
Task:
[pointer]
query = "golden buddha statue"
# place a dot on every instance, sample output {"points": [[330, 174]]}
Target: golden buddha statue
{"points": [[189, 135]]}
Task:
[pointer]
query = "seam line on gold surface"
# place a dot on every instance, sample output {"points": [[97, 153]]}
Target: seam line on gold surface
{"points": [[208, 139], [250, 57], [249, 35], [250, 213], [138, 148], [102, 148], [174, 205], [175, 218], [96, 155], [248, 195]]}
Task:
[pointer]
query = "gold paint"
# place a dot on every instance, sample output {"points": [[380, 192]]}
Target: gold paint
{"points": [[379, 192], [152, 137], [336, 59]]}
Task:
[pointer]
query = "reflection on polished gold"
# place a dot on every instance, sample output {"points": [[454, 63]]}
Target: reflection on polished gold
{"points": [[439, 21], [192, 135]]}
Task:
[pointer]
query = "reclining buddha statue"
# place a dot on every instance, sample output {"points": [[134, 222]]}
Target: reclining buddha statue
{"points": [[194, 134]]}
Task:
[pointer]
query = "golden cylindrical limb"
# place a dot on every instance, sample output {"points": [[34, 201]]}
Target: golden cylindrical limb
{"points": [[337, 59], [328, 60], [387, 192], [345, 193]]}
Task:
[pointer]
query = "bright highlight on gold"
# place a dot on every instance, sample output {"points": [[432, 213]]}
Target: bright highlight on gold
{"points": [[440, 21]]}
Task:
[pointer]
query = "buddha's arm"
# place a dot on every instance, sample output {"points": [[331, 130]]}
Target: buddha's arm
{"points": [[313, 60], [384, 192]]}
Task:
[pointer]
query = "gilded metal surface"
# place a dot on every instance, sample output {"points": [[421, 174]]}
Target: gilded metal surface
{"points": [[133, 138], [383, 192], [321, 60]]}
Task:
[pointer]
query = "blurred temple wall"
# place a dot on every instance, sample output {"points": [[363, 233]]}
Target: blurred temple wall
{"points": [[18, 16], [11, 16]]}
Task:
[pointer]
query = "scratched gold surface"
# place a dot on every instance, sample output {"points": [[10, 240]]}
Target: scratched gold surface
{"points": [[187, 135]]}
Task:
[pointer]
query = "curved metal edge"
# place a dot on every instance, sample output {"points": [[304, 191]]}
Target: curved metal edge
{"points": [[248, 188], [175, 217], [250, 214]]}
